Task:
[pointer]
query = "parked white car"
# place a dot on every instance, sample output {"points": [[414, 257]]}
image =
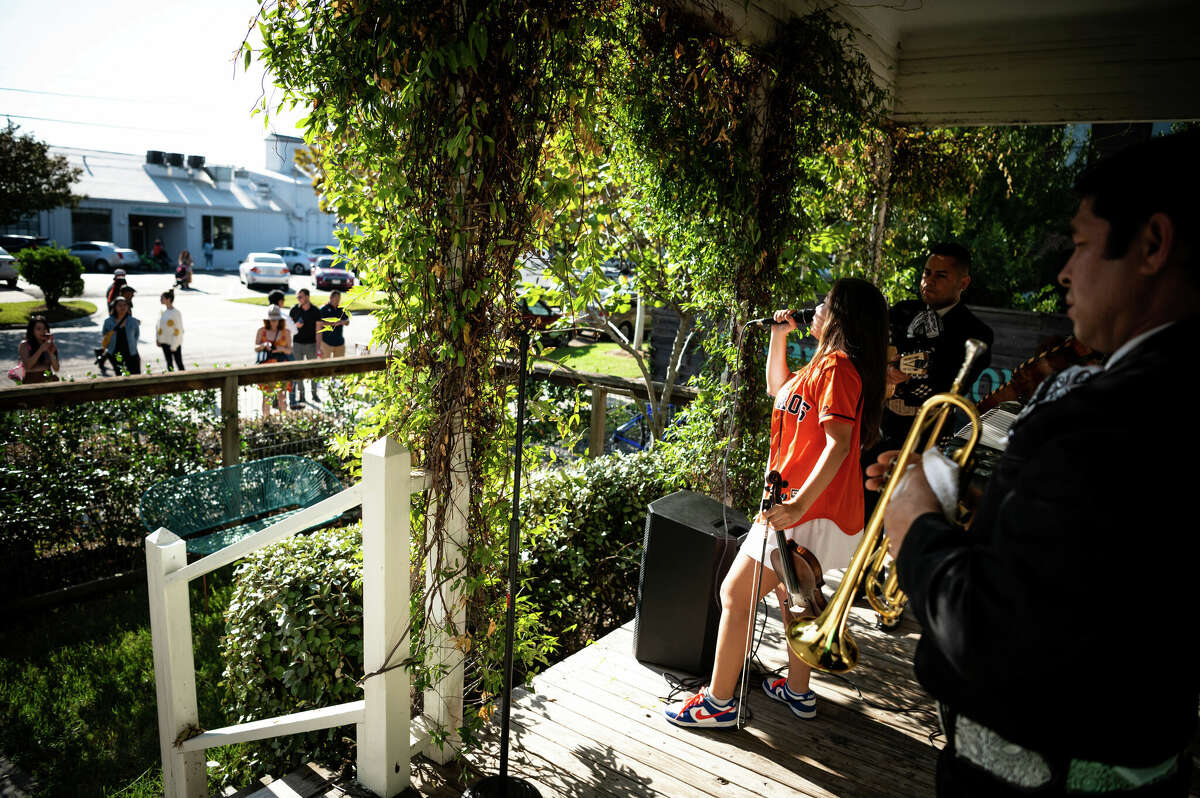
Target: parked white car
{"points": [[8, 268], [297, 260], [264, 267], [99, 255]]}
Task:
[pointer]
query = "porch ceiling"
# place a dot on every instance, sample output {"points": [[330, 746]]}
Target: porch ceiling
{"points": [[983, 62]]}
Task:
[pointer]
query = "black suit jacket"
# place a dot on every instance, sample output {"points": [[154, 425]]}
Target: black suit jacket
{"points": [[945, 356], [1064, 618]]}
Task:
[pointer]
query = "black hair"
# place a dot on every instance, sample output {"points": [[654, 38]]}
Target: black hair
{"points": [[303, 291], [275, 296], [1161, 175], [858, 325], [168, 295], [31, 326], [952, 249], [333, 292]]}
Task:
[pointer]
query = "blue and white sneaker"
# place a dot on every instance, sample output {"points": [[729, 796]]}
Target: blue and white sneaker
{"points": [[699, 712], [803, 705]]}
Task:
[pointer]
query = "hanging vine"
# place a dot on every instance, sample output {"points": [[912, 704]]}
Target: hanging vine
{"points": [[726, 141], [429, 120]]}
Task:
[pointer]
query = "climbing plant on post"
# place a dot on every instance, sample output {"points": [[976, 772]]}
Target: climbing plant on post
{"points": [[429, 120], [722, 137]]}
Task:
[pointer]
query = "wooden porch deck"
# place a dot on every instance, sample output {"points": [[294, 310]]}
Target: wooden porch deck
{"points": [[593, 725]]}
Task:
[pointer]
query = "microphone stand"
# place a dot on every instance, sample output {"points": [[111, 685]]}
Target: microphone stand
{"points": [[504, 785]]}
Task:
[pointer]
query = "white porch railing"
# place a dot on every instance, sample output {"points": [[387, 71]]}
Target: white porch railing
{"points": [[387, 737]]}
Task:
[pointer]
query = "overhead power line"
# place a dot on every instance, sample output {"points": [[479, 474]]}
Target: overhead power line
{"points": [[155, 101], [101, 124]]}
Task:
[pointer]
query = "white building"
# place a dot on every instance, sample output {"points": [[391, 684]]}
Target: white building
{"points": [[133, 200]]}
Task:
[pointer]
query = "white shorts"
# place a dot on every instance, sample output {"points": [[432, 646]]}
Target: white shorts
{"points": [[832, 547]]}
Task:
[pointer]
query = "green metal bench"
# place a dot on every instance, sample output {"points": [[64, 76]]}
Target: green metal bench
{"points": [[212, 509]]}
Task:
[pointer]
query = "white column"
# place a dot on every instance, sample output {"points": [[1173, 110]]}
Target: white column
{"points": [[383, 736], [444, 700], [184, 775]]}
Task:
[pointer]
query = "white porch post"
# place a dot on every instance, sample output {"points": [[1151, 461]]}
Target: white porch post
{"points": [[184, 775], [383, 736], [444, 700]]}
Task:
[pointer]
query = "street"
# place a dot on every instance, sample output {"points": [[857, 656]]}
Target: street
{"points": [[217, 331]]}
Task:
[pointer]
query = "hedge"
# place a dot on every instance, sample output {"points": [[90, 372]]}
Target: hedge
{"points": [[71, 477], [293, 641], [293, 632]]}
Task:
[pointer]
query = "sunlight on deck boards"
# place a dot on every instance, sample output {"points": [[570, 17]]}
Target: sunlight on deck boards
{"points": [[593, 725]]}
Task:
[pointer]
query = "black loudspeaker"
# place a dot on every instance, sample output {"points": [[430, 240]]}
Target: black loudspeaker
{"points": [[686, 553]]}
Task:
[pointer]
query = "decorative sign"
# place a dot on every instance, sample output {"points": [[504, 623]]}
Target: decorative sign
{"points": [[158, 210]]}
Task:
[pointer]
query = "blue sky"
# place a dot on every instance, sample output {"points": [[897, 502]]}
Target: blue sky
{"points": [[136, 75]]}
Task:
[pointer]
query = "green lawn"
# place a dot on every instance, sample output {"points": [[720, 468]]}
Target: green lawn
{"points": [[77, 692], [364, 304], [16, 314], [598, 358]]}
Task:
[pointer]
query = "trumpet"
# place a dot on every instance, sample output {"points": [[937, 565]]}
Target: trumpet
{"points": [[823, 642]]}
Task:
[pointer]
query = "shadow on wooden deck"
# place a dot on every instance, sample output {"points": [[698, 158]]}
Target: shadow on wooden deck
{"points": [[593, 725]]}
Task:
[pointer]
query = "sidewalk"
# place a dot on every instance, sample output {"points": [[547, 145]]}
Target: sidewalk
{"points": [[216, 330]]}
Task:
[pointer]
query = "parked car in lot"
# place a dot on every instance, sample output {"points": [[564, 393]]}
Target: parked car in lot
{"points": [[8, 268], [128, 258], [618, 308], [99, 255], [539, 316], [16, 243], [296, 260], [326, 275], [264, 267], [316, 253]]}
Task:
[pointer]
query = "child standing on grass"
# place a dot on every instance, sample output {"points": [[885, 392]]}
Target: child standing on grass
{"points": [[823, 414]]}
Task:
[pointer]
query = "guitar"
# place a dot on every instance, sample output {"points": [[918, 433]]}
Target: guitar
{"points": [[1052, 357], [798, 569]]}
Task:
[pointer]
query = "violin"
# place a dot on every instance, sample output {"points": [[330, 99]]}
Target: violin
{"points": [[799, 571]]}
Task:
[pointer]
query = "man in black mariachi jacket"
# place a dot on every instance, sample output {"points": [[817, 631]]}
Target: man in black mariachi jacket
{"points": [[1056, 633], [929, 335]]}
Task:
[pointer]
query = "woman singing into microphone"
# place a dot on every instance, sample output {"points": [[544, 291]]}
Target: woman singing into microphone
{"points": [[823, 414]]}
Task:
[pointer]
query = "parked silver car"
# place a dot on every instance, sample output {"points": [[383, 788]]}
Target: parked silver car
{"points": [[8, 268], [128, 258], [99, 255], [296, 260]]}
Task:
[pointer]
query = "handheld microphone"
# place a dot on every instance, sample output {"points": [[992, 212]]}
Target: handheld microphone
{"points": [[802, 317]]}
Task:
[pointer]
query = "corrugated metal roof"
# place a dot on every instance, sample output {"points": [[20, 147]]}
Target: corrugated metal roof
{"points": [[127, 177]]}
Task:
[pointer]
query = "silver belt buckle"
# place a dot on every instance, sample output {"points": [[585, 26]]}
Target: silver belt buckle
{"points": [[1014, 764], [1021, 767]]}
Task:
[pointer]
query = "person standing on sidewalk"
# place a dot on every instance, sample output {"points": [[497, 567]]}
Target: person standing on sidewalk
{"points": [[277, 298], [305, 345], [170, 332], [120, 340], [333, 319], [114, 288]]}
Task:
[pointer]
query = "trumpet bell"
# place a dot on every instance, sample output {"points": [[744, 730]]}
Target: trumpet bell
{"points": [[810, 641]]}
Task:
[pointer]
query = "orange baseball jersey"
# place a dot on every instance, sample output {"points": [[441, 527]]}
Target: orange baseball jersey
{"points": [[824, 391]]}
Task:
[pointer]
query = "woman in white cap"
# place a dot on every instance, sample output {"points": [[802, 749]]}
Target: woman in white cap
{"points": [[114, 290], [273, 343]]}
